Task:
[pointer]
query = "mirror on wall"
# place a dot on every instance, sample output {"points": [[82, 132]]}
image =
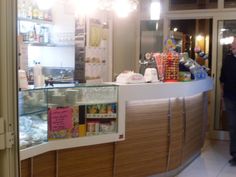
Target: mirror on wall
{"points": [[151, 33], [151, 41]]}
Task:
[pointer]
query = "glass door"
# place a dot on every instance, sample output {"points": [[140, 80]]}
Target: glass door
{"points": [[226, 31]]}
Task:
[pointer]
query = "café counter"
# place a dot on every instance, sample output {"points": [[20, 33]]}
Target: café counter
{"points": [[163, 128]]}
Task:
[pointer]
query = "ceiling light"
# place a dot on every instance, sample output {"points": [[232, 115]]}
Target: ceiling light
{"points": [[199, 37], [121, 7], [155, 10], [45, 4]]}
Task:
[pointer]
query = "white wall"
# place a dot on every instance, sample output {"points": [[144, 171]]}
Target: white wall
{"points": [[52, 56]]}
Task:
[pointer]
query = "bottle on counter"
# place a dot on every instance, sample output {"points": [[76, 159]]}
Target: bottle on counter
{"points": [[22, 79]]}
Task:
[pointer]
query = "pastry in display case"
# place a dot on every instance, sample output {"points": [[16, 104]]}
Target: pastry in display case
{"points": [[32, 117], [68, 112]]}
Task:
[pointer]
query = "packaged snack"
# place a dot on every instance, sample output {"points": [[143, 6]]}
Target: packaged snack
{"points": [[184, 76]]}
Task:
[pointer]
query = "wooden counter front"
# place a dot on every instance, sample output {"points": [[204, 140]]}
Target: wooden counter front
{"points": [[162, 136]]}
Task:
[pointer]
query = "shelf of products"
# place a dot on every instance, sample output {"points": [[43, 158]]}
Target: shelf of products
{"points": [[48, 44], [33, 32], [34, 24], [54, 113], [28, 9]]}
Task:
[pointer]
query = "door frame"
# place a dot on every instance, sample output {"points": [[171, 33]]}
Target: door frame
{"points": [[9, 155], [215, 14]]}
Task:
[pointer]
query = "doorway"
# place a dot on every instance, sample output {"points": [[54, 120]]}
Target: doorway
{"points": [[226, 29], [192, 34]]}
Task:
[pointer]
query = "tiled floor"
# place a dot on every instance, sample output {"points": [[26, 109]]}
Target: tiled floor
{"points": [[213, 162]]}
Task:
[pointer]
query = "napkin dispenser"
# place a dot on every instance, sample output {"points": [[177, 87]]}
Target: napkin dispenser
{"points": [[150, 75]]}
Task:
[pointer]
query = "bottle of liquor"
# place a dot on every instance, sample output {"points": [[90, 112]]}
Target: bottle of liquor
{"points": [[49, 15], [40, 14], [35, 12], [23, 10], [46, 35], [45, 15], [29, 11], [41, 35]]}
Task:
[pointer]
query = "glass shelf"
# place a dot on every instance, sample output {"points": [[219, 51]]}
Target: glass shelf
{"points": [[38, 21], [39, 111], [48, 45], [101, 116]]}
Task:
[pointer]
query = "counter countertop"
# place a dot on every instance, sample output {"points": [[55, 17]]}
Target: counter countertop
{"points": [[161, 90]]}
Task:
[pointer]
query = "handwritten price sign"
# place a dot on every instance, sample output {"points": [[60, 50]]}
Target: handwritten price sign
{"points": [[60, 119]]}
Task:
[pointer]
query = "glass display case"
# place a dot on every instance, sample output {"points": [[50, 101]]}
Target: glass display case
{"points": [[67, 112], [33, 117]]}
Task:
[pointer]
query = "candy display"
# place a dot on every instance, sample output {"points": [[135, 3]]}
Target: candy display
{"points": [[187, 64], [184, 76], [172, 66], [160, 62], [201, 53], [101, 119], [168, 65]]}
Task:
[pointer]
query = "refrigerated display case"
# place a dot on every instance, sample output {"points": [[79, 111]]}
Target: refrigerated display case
{"points": [[81, 111]]}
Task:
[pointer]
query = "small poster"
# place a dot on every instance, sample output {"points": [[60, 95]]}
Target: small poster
{"points": [[95, 33], [60, 119]]}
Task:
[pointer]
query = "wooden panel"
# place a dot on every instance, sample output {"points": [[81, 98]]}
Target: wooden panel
{"points": [[88, 161], [25, 168], [177, 128], [45, 165], [194, 126], [145, 150]]}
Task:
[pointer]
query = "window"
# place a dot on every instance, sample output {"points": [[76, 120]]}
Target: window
{"points": [[192, 4]]}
